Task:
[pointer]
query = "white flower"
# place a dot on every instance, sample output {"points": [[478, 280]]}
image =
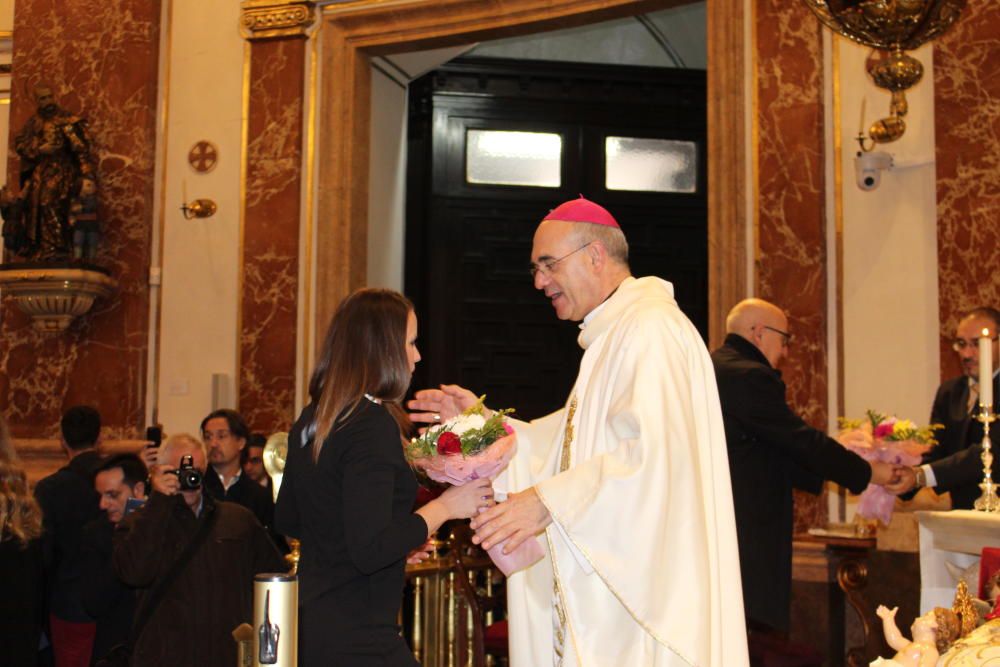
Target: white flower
{"points": [[464, 423]]}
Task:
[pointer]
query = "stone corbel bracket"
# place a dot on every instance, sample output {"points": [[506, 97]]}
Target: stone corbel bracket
{"points": [[54, 296], [268, 19]]}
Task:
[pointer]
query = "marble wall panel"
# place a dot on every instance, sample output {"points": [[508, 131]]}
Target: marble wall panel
{"points": [[791, 263], [100, 59], [271, 235], [967, 129]]}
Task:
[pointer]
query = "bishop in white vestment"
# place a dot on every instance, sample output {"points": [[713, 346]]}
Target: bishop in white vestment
{"points": [[627, 485]]}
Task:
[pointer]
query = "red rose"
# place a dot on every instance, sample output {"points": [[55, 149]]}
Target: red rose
{"points": [[449, 443], [883, 430]]}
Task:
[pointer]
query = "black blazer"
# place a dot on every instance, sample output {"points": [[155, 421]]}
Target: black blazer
{"points": [[68, 501], [771, 451], [955, 460], [105, 598], [353, 512]]}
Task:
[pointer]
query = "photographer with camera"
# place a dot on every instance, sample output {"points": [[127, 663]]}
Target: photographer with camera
{"points": [[194, 559]]}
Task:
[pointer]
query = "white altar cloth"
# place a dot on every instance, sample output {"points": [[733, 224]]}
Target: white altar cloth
{"points": [[955, 537]]}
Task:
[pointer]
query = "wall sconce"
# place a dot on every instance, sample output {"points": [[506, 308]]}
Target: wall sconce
{"points": [[893, 27], [199, 208]]}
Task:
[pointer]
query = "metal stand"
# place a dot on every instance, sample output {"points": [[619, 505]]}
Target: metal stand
{"points": [[988, 501]]}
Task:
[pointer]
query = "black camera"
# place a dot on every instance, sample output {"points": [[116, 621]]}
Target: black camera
{"points": [[189, 476]]}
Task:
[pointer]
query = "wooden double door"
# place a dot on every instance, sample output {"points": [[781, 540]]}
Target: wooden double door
{"points": [[468, 244]]}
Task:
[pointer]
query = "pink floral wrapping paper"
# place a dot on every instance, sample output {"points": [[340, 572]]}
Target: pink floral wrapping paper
{"points": [[870, 444], [457, 469]]}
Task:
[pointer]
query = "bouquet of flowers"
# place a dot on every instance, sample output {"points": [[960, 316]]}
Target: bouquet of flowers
{"points": [[886, 439], [472, 446]]}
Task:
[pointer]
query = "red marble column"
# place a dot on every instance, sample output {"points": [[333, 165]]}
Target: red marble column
{"points": [[100, 59], [967, 136], [791, 268], [269, 298]]}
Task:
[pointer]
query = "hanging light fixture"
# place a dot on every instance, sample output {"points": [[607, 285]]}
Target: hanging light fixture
{"points": [[892, 26]]}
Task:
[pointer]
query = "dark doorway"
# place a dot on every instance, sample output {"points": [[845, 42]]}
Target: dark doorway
{"points": [[468, 240]]}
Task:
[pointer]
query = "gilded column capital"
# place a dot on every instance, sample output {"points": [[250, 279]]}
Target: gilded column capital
{"points": [[266, 19]]}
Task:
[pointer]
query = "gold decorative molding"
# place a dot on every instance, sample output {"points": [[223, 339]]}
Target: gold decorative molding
{"points": [[267, 19]]}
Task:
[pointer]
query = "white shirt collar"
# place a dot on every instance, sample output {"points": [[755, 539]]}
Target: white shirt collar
{"points": [[232, 481]]}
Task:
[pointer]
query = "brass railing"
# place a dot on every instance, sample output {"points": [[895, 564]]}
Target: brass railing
{"points": [[443, 610]]}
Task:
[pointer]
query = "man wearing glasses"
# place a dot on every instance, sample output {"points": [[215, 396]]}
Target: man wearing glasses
{"points": [[226, 433], [627, 487], [954, 464], [771, 451]]}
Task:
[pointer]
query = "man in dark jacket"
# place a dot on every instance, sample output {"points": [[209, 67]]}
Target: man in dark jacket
{"points": [[226, 434], [772, 451], [106, 599], [68, 501], [213, 592], [955, 465]]}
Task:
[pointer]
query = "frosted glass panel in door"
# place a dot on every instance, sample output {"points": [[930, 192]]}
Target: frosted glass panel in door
{"points": [[650, 165], [500, 157]]}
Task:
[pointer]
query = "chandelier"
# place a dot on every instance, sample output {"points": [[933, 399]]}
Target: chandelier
{"points": [[892, 26]]}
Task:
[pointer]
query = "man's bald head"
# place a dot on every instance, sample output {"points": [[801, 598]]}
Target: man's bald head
{"points": [[763, 324]]}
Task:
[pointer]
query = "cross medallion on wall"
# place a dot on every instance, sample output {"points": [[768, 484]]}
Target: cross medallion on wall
{"points": [[203, 156]]}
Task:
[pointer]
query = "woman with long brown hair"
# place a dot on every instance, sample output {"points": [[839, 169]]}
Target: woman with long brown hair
{"points": [[20, 561], [347, 492]]}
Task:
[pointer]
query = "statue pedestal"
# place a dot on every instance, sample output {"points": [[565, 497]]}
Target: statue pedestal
{"points": [[53, 295]]}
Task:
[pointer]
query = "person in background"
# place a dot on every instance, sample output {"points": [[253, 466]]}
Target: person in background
{"points": [[347, 492], [68, 502], [213, 592], [21, 604], [955, 464], [771, 452], [226, 434], [252, 460], [121, 483]]}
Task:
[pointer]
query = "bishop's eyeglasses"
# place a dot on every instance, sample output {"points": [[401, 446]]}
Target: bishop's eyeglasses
{"points": [[546, 268]]}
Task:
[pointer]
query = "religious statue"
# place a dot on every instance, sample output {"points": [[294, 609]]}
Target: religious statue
{"points": [[58, 187], [932, 633]]}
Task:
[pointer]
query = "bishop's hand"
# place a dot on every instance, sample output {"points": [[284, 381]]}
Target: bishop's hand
{"points": [[431, 406], [513, 521]]}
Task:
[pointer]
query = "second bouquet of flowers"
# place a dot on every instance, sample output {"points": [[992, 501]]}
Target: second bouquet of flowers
{"points": [[887, 439], [467, 447]]}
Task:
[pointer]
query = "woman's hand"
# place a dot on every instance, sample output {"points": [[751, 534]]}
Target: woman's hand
{"points": [[420, 554], [463, 502], [457, 502]]}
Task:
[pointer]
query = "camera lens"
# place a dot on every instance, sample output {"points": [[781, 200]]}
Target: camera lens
{"points": [[869, 181], [190, 479]]}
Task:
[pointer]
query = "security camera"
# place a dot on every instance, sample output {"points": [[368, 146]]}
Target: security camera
{"points": [[868, 168]]}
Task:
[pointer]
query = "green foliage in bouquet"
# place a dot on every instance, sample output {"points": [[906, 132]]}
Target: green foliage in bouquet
{"points": [[443, 439]]}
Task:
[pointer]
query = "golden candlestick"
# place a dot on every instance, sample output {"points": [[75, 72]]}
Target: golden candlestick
{"points": [[988, 500]]}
